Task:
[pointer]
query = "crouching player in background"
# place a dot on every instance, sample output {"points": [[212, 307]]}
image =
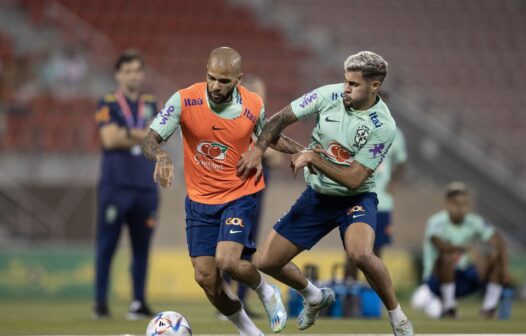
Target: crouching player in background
{"points": [[450, 270]]}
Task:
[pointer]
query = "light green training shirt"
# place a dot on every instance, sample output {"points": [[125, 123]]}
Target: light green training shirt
{"points": [[396, 156], [473, 228], [229, 110], [345, 135]]}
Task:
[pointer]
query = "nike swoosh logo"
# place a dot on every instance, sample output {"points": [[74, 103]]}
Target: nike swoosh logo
{"points": [[330, 120], [217, 128], [356, 216], [232, 231]]}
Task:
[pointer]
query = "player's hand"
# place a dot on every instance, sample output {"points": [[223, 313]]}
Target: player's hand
{"points": [[318, 149], [250, 161], [302, 159], [164, 170]]}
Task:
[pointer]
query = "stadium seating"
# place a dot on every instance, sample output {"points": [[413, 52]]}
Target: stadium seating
{"points": [[176, 37], [468, 58]]}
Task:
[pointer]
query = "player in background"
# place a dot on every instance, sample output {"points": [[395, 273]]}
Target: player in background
{"points": [[450, 271], [218, 119], [387, 176], [353, 132], [126, 194], [271, 159]]}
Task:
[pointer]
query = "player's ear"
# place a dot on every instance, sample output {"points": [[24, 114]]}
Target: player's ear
{"points": [[375, 85], [239, 78]]}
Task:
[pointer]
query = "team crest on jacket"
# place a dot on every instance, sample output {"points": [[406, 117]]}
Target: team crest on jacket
{"points": [[361, 136]]}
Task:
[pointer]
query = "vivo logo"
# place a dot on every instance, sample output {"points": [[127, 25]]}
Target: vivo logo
{"points": [[308, 99], [165, 114]]}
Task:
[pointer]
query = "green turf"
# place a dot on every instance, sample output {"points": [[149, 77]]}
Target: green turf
{"points": [[74, 317]]}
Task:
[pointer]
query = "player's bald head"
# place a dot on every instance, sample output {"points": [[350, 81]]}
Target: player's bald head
{"points": [[225, 61]]}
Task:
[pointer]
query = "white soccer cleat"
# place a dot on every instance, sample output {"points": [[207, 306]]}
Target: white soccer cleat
{"points": [[309, 313], [421, 296], [424, 299], [276, 312], [404, 328]]}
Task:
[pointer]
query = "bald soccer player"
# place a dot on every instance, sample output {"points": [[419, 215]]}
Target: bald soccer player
{"points": [[218, 119], [354, 130]]}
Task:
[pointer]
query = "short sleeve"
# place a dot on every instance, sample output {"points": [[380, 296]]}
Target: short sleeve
{"points": [[307, 105], [376, 147], [484, 230], [261, 122], [104, 114], [433, 228], [168, 119], [399, 148]]}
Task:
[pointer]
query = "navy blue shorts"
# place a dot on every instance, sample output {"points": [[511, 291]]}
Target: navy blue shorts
{"points": [[314, 215], [383, 229], [208, 224], [467, 282]]}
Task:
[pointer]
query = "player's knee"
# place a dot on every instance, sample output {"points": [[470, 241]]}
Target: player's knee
{"points": [[263, 264], [206, 279], [227, 264], [447, 259], [362, 258]]}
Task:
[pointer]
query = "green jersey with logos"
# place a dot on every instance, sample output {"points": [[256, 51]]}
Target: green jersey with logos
{"points": [[396, 156], [345, 135], [472, 228], [228, 110]]}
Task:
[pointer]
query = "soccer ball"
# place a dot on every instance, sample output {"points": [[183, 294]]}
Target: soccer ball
{"points": [[169, 323]]}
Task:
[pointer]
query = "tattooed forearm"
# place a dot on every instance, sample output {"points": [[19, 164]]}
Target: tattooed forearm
{"points": [[150, 145], [274, 126], [287, 145]]}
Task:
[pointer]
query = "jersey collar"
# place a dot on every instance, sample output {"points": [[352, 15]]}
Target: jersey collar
{"points": [[350, 109], [218, 108]]}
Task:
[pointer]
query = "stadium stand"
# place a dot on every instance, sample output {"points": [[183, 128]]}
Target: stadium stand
{"points": [[466, 57], [459, 62], [175, 37]]}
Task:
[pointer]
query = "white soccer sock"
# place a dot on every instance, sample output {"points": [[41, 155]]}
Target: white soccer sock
{"points": [[492, 296], [243, 323], [396, 315], [264, 291], [448, 295], [311, 294]]}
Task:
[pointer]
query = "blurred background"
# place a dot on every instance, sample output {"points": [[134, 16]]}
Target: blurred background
{"points": [[456, 88]]}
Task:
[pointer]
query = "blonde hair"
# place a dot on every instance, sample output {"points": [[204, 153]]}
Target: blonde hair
{"points": [[372, 65], [456, 188]]}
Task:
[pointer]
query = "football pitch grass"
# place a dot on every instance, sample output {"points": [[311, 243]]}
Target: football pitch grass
{"points": [[73, 317]]}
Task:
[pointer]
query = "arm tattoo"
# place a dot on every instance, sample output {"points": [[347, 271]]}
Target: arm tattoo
{"points": [[274, 126], [150, 145], [287, 145]]}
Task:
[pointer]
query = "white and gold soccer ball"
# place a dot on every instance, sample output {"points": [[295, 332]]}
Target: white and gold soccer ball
{"points": [[169, 323]]}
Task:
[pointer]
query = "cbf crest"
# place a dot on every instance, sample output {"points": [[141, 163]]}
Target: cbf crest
{"points": [[361, 136]]}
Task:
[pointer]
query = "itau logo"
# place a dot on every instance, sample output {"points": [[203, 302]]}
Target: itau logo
{"points": [[338, 152], [212, 150]]}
